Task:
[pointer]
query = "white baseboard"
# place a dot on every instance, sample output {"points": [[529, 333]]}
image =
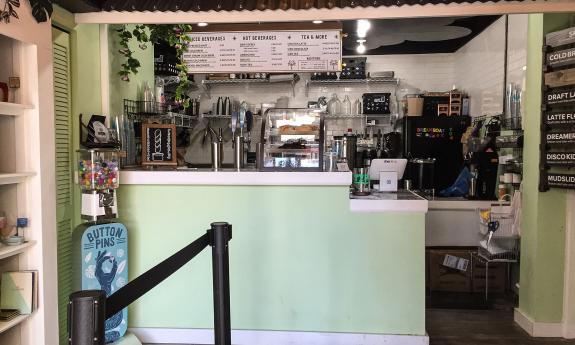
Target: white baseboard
{"points": [[538, 329], [244, 337]]}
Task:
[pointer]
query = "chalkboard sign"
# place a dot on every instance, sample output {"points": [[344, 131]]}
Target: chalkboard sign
{"points": [[564, 159], [559, 118], [561, 58], [158, 144], [562, 96], [561, 180]]}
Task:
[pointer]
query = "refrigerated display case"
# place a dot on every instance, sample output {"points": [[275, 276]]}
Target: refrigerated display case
{"points": [[293, 139]]}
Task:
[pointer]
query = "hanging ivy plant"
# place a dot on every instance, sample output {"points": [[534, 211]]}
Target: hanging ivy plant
{"points": [[41, 10], [175, 35], [8, 10]]}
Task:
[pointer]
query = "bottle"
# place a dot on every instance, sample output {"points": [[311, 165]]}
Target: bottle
{"points": [[220, 106], [346, 106], [147, 98], [357, 107], [334, 105], [160, 90], [227, 106]]}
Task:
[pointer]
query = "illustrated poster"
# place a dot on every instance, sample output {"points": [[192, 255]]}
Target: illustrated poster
{"points": [[105, 266]]}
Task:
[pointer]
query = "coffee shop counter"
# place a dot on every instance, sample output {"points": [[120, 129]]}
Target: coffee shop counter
{"points": [[402, 201], [301, 261]]}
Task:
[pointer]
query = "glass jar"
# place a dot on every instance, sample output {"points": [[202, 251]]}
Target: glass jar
{"points": [[98, 169]]}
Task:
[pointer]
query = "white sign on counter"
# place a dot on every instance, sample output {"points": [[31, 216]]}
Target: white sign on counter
{"points": [[264, 51]]}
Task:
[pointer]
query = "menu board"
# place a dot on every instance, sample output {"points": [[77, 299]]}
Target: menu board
{"points": [[264, 51], [558, 115]]}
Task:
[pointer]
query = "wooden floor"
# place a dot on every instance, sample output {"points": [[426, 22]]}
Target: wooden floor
{"points": [[480, 327]]}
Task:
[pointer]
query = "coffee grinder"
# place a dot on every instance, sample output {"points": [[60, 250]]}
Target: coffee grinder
{"points": [[483, 167]]}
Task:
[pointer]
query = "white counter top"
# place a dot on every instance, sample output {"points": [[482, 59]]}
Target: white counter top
{"points": [[233, 178], [377, 202]]}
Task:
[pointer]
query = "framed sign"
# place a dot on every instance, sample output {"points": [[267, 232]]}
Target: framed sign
{"points": [[264, 51], [159, 144]]}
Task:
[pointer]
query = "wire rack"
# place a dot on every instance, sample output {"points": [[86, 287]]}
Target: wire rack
{"points": [[500, 239], [148, 111]]}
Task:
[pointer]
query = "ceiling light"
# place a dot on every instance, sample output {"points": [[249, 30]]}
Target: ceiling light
{"points": [[360, 48], [317, 21], [363, 26], [202, 24]]}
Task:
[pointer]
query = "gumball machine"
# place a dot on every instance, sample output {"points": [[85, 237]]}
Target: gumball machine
{"points": [[98, 178], [100, 244]]}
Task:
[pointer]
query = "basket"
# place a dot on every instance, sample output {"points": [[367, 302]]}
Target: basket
{"points": [[500, 222], [499, 249]]}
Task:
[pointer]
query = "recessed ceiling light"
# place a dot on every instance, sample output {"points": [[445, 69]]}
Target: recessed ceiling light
{"points": [[360, 48], [317, 21], [202, 24]]}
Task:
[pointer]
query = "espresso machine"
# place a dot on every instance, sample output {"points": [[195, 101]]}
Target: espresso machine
{"points": [[483, 167]]}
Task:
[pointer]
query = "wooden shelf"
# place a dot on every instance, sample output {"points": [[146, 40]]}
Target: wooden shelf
{"points": [[8, 251], [13, 109], [6, 325], [11, 178]]}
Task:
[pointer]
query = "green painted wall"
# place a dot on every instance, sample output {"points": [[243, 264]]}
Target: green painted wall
{"points": [[86, 81], [543, 238], [299, 259]]}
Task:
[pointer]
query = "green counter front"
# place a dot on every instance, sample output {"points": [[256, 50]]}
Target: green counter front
{"points": [[299, 259]]}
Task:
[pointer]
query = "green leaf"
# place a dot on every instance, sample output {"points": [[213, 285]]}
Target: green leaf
{"points": [[41, 9]]}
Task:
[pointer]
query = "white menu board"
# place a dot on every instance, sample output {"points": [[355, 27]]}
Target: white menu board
{"points": [[264, 51]]}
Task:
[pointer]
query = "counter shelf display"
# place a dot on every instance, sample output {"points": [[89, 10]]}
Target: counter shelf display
{"points": [[293, 140]]}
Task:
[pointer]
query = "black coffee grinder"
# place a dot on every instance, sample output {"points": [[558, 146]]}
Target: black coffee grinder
{"points": [[483, 167]]}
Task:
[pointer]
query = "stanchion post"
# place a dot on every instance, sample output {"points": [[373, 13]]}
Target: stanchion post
{"points": [[221, 234]]}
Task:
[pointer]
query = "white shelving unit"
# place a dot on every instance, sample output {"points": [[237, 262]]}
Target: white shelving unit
{"points": [[27, 165], [7, 325], [13, 109], [8, 251], [11, 178]]}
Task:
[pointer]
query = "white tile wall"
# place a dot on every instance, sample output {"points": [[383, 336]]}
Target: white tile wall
{"points": [[479, 65]]}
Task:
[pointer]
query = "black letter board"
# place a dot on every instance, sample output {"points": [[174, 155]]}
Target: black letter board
{"points": [[158, 144], [558, 111]]}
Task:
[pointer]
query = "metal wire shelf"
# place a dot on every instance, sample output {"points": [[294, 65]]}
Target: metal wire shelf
{"points": [[368, 81], [208, 84], [148, 111]]}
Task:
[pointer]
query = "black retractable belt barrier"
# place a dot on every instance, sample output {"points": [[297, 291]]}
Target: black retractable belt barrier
{"points": [[90, 318]]}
